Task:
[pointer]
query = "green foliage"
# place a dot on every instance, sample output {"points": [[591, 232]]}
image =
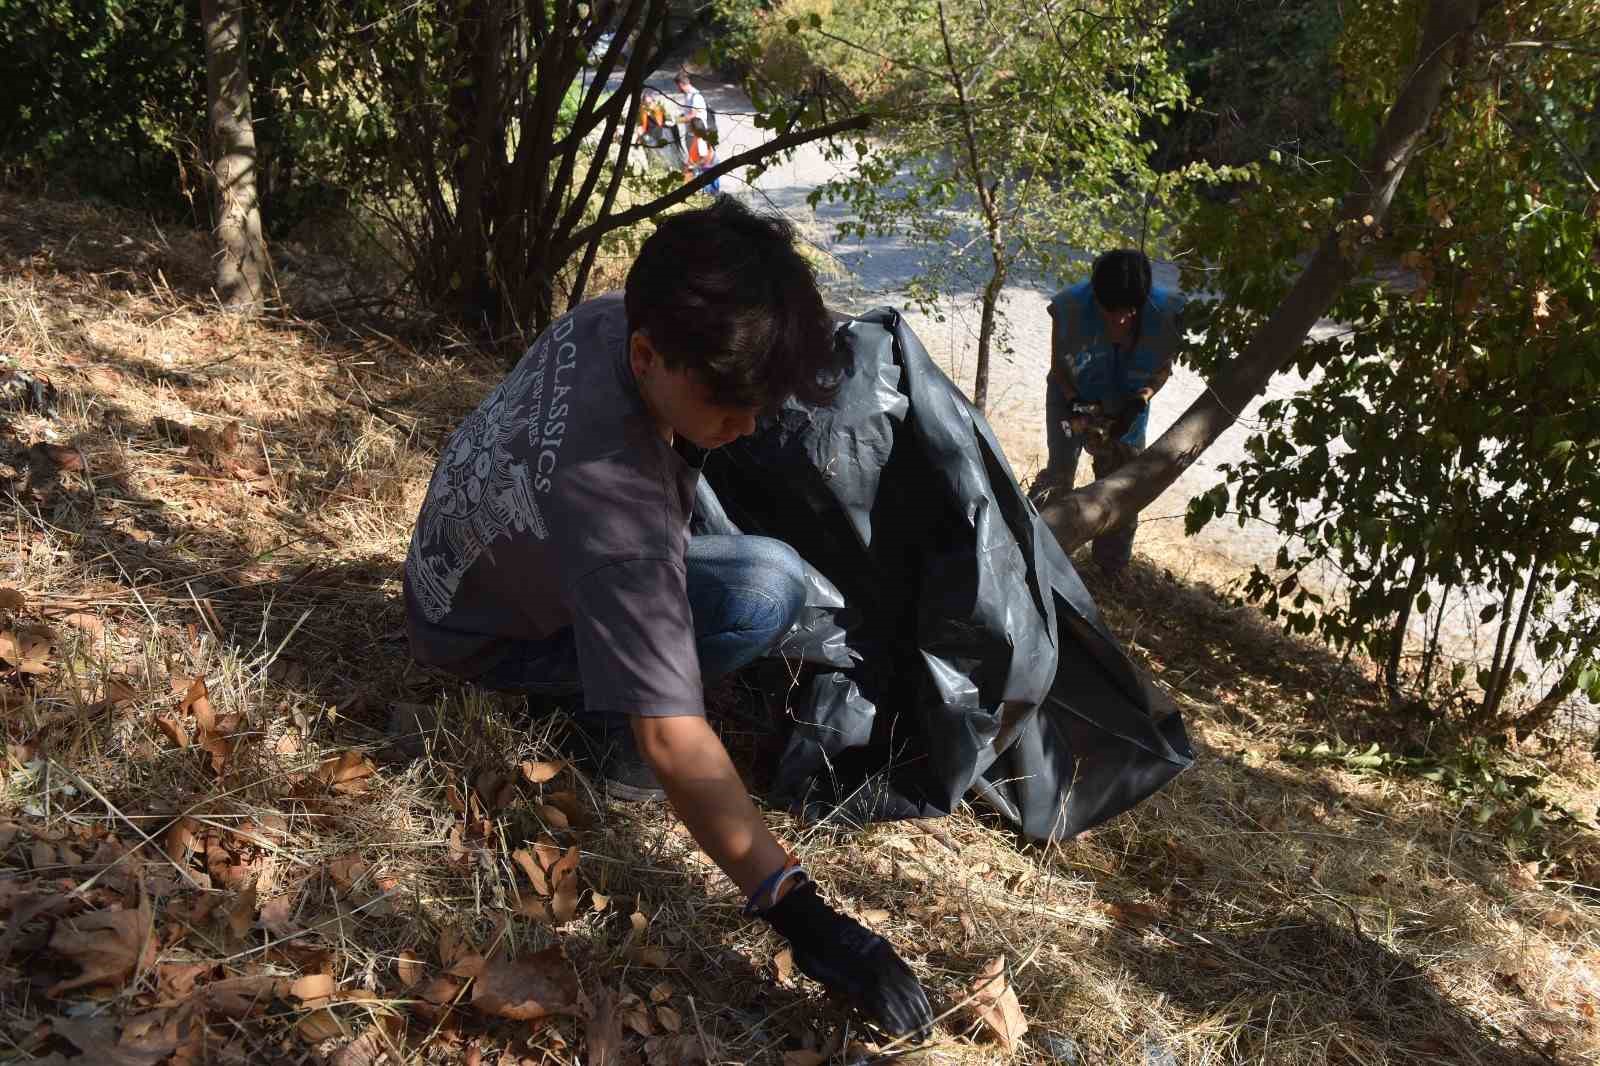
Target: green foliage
{"points": [[1261, 78], [1473, 776], [1450, 439], [104, 97], [1008, 134]]}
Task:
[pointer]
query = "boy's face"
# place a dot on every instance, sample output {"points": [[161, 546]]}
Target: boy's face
{"points": [[681, 403]]}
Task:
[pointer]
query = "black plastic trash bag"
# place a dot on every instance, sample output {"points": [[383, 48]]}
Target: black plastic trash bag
{"points": [[956, 651]]}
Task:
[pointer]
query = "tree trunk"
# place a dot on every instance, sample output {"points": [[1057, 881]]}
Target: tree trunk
{"points": [[1079, 516], [242, 264], [1430, 652], [991, 219], [991, 300], [1501, 678], [1397, 638]]}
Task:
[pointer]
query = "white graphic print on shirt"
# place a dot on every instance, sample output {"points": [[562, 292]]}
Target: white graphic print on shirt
{"points": [[482, 491]]}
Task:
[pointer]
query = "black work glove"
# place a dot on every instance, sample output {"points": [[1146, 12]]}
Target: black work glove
{"points": [[851, 961]]}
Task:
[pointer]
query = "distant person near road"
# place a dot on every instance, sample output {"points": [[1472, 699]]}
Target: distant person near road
{"points": [[699, 129], [658, 129], [1112, 342]]}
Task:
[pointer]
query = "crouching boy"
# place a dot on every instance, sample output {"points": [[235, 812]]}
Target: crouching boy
{"points": [[552, 553]]}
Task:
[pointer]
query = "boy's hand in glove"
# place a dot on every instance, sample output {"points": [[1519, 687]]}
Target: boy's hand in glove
{"points": [[851, 961]]}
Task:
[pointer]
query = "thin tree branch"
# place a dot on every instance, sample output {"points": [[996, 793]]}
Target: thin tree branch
{"points": [[605, 225]]}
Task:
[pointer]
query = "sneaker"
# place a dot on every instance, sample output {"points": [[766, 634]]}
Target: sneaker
{"points": [[602, 745]]}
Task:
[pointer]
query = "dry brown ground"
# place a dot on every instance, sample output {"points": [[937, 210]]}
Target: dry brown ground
{"points": [[319, 852]]}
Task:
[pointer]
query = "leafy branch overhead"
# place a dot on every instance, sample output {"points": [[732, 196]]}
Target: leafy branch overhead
{"points": [[1011, 137], [1444, 456]]}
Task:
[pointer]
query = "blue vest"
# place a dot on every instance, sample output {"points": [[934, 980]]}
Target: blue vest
{"points": [[1099, 371]]}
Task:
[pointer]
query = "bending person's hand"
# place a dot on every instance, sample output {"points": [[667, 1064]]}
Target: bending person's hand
{"points": [[851, 961]]}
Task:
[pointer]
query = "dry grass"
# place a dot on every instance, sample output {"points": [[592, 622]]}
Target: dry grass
{"points": [[1258, 910]]}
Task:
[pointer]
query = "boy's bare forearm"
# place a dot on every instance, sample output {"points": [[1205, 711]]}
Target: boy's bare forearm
{"points": [[707, 793]]}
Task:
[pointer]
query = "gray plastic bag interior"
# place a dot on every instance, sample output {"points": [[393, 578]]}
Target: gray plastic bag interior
{"points": [[953, 650]]}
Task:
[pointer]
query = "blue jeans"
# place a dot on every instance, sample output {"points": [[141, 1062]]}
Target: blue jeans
{"points": [[744, 594], [1114, 550]]}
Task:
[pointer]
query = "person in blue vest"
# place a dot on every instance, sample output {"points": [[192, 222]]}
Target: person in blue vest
{"points": [[1112, 342]]}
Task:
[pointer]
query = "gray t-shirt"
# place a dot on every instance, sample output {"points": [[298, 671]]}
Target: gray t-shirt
{"points": [[556, 503]]}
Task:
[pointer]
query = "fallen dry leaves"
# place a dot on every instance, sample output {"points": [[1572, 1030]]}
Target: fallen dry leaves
{"points": [[145, 1040], [27, 648], [553, 873], [994, 1001], [346, 773], [536, 986], [109, 946], [603, 1034]]}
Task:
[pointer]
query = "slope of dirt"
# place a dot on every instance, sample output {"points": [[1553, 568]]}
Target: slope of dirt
{"points": [[236, 825]]}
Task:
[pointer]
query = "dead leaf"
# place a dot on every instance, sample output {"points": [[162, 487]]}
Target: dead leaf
{"points": [[874, 916], [661, 992], [220, 749], [783, 965], [313, 989], [571, 807], [369, 1048], [451, 947], [346, 772], [537, 773], [348, 871], [319, 1025], [60, 456], [554, 874], [564, 886], [531, 868], [242, 914], [240, 997], [538, 986], [637, 1018], [1136, 915], [118, 692], [598, 902], [177, 979], [197, 701], [175, 730], [109, 946], [670, 1019], [12, 600], [27, 648], [1524, 876], [655, 958], [26, 910], [84, 622], [435, 997], [409, 966], [96, 1038], [497, 790], [603, 1035], [553, 817], [995, 1004], [180, 839]]}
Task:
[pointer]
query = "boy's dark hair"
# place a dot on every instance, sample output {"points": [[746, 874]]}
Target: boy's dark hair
{"points": [[725, 293], [1121, 279]]}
